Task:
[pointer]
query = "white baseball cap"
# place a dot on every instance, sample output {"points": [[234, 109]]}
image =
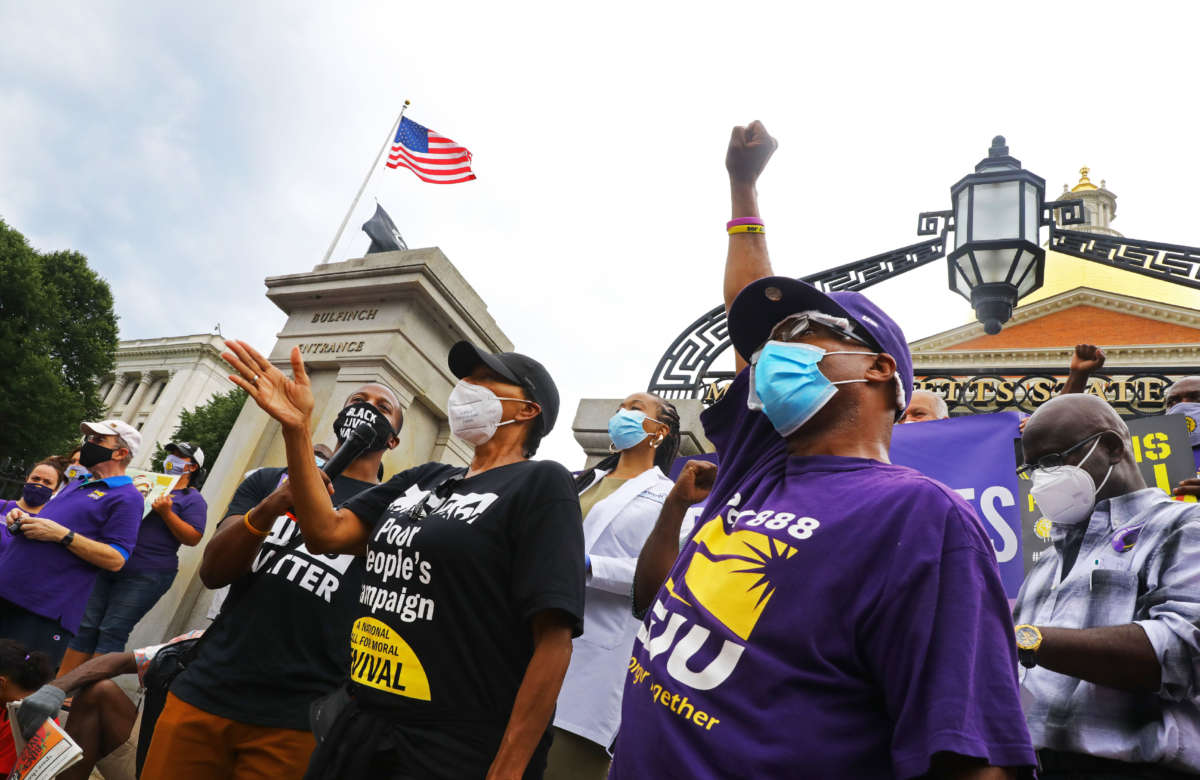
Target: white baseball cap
{"points": [[128, 435]]}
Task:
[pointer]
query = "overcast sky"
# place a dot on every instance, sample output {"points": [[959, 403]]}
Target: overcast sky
{"points": [[190, 153]]}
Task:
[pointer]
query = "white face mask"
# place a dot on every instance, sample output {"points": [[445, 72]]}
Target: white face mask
{"points": [[1066, 495], [475, 412]]}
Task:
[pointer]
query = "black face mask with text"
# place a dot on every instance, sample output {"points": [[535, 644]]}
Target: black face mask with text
{"points": [[359, 414], [92, 453]]}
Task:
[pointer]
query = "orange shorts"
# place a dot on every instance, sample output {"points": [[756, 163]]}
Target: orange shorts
{"points": [[191, 744]]}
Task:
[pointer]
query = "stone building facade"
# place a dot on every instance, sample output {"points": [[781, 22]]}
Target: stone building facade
{"points": [[155, 380]]}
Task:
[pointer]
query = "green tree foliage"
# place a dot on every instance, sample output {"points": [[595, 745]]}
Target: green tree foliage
{"points": [[206, 426], [58, 340]]}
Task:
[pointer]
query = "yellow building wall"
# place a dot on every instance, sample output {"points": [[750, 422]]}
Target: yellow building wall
{"points": [[1064, 273]]}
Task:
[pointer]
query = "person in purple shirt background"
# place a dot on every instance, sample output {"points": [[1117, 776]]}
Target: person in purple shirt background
{"points": [[40, 485], [121, 598], [1183, 398], [831, 615], [47, 569]]}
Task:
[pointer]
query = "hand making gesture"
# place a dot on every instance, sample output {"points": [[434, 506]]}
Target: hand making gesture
{"points": [[750, 148], [290, 401], [694, 483], [1087, 358]]}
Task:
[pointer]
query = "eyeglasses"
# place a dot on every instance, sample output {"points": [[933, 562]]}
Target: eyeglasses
{"points": [[96, 438], [793, 327], [1055, 460], [422, 510]]}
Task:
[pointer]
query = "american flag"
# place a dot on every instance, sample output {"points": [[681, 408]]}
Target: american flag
{"points": [[433, 158]]}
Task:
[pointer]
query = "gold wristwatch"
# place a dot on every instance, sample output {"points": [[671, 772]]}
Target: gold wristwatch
{"points": [[1029, 639]]}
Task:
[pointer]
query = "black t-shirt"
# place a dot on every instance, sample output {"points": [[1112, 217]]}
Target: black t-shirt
{"points": [[451, 581], [280, 641]]}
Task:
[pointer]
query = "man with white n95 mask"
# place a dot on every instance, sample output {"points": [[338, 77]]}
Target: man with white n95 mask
{"points": [[1107, 620]]}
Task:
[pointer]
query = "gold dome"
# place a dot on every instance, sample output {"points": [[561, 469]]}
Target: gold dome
{"points": [[1084, 182]]}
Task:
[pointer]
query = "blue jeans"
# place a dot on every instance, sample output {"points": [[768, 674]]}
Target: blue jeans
{"points": [[117, 603]]}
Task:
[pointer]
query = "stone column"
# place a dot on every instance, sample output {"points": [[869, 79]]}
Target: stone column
{"points": [[131, 408], [114, 392], [156, 429]]}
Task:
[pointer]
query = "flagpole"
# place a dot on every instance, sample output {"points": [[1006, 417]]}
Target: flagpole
{"points": [[370, 171]]}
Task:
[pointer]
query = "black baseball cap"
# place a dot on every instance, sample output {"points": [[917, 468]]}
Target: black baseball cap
{"points": [[187, 450], [516, 368]]}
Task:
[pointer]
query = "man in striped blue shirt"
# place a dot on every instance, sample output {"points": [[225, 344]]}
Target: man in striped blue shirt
{"points": [[1108, 625]]}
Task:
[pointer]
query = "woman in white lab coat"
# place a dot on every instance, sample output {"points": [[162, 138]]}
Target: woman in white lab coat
{"points": [[621, 498]]}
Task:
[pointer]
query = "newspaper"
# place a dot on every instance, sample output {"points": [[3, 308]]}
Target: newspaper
{"points": [[49, 752]]}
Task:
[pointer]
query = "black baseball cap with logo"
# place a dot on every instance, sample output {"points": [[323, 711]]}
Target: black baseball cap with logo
{"points": [[516, 368]]}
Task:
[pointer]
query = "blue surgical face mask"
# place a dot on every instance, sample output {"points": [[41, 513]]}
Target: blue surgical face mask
{"points": [[174, 465], [1192, 412], [626, 429], [787, 386]]}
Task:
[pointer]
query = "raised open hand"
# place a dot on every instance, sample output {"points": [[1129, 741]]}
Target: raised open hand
{"points": [[750, 148], [290, 401]]}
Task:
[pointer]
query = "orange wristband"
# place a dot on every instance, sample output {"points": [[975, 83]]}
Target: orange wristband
{"points": [[252, 529]]}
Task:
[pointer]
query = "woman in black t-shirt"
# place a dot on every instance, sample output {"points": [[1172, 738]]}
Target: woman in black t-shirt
{"points": [[473, 584]]}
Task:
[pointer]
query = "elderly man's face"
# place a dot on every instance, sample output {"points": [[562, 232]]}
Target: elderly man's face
{"points": [[1069, 420], [1186, 390], [924, 407]]}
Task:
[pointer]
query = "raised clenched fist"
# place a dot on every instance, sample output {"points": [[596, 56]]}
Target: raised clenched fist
{"points": [[1087, 358], [750, 148]]}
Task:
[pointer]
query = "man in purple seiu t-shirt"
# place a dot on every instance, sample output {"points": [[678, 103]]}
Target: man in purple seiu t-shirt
{"points": [[831, 615]]}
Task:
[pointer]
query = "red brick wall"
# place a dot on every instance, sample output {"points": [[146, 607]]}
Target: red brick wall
{"points": [[1089, 324]]}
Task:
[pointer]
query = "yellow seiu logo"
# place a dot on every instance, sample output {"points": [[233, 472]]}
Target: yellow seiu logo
{"points": [[731, 576], [96, 494]]}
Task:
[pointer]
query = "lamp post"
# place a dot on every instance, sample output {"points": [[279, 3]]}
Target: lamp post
{"points": [[996, 259]]}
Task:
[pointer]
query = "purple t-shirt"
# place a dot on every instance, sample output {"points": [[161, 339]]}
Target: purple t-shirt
{"points": [[828, 617], [5, 508], [157, 548], [50, 580]]}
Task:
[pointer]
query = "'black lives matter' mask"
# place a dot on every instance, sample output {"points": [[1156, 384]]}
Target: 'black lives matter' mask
{"points": [[359, 414]]}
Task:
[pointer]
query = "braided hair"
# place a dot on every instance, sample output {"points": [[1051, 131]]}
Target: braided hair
{"points": [[664, 456], [667, 451], [29, 670]]}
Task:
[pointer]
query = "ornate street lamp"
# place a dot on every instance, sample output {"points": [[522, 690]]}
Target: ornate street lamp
{"points": [[996, 259]]}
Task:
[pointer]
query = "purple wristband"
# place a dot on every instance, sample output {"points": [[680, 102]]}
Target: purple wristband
{"points": [[744, 221]]}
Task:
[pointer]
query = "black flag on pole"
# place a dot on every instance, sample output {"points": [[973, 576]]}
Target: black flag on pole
{"points": [[383, 233]]}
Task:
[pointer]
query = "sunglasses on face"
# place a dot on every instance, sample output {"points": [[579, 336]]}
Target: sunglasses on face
{"points": [[1055, 460], [792, 328]]}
